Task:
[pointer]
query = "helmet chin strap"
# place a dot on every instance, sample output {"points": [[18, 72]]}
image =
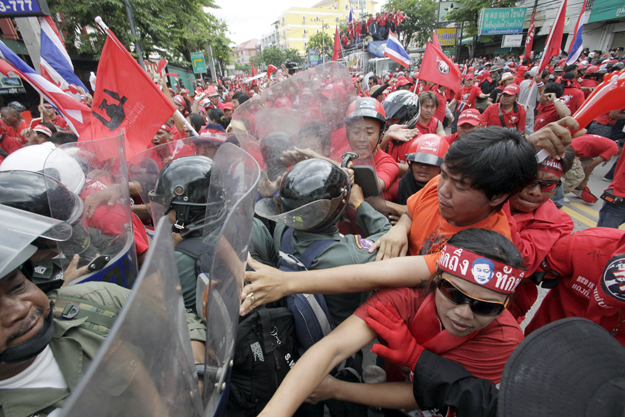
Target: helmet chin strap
{"points": [[33, 347]]}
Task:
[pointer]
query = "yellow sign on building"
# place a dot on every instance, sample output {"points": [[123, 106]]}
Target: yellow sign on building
{"points": [[446, 37]]}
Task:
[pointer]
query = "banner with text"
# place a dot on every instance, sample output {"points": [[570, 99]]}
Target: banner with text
{"points": [[446, 37], [502, 21]]}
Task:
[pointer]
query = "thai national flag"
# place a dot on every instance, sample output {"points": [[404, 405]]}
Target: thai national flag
{"points": [[396, 52], [577, 45], [77, 115], [350, 17], [56, 66]]}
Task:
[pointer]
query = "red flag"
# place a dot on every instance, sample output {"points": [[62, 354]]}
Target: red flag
{"points": [[336, 54], [435, 40], [529, 41], [439, 69], [253, 68], [271, 69], [552, 48], [126, 98]]}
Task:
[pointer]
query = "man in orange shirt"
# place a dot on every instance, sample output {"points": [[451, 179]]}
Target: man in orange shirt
{"points": [[479, 174]]}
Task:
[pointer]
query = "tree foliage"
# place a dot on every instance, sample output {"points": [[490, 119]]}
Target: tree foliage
{"points": [[322, 42], [272, 55], [171, 30], [470, 14], [420, 20]]}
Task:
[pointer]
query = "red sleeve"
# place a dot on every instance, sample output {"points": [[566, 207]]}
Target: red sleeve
{"points": [[559, 257], [387, 170], [610, 148], [538, 237], [141, 236], [10, 144], [403, 299], [457, 96], [522, 118], [486, 115]]}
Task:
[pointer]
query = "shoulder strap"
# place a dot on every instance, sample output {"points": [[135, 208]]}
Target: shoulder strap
{"points": [[503, 123], [99, 318], [314, 250], [287, 241]]}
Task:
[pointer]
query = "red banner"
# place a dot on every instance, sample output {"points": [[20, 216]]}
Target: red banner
{"points": [[126, 98], [439, 69], [336, 54], [529, 41], [552, 48]]}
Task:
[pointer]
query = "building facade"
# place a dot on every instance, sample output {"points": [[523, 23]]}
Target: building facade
{"points": [[243, 52], [296, 25]]}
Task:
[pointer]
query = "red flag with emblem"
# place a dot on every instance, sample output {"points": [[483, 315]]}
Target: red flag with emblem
{"points": [[126, 98], [529, 41], [554, 42], [336, 53], [435, 40], [439, 69]]}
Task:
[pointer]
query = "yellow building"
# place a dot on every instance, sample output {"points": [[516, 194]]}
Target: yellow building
{"points": [[296, 25]]}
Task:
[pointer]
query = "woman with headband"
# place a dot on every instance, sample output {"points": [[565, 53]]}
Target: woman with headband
{"points": [[460, 315]]}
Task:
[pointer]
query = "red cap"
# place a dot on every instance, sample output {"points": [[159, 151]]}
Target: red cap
{"points": [[511, 89], [429, 149], [166, 127], [211, 91], [334, 91], [470, 77], [43, 129], [470, 116], [228, 106]]}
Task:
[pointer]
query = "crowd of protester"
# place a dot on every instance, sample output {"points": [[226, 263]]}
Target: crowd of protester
{"points": [[439, 255]]}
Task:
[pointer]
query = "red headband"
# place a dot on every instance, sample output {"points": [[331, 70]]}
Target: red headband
{"points": [[551, 165], [480, 270]]}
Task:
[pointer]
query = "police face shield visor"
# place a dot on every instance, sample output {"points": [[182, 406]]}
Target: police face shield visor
{"points": [[424, 158], [306, 217]]}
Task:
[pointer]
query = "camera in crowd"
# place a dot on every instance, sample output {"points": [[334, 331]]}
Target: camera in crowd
{"points": [[291, 66]]}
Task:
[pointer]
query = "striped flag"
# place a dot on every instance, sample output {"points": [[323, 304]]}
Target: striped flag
{"points": [[350, 17], [56, 65], [396, 52], [77, 115], [577, 45], [554, 41]]}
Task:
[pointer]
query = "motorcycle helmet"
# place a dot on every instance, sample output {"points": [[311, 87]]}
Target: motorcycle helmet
{"points": [[313, 195], [402, 105], [429, 149]]}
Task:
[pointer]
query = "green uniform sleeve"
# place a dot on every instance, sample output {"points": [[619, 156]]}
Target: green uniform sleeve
{"points": [[261, 247], [186, 271], [110, 295], [197, 329], [371, 221]]}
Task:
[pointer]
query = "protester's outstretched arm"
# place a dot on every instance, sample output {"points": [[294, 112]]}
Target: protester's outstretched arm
{"points": [[316, 363], [392, 395], [554, 137], [270, 284]]}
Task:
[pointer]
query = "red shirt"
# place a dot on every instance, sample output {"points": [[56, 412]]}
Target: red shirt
{"points": [[592, 146], [534, 234], [388, 171], [546, 114], [483, 353], [513, 119], [579, 260], [398, 150], [587, 82], [605, 119], [9, 145], [573, 98], [442, 104], [429, 128], [60, 122], [141, 236], [467, 95], [451, 138]]}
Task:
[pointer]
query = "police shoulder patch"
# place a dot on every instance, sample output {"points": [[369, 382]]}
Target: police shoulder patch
{"points": [[362, 243]]}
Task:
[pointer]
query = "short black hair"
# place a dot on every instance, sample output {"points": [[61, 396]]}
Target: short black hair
{"points": [[374, 78], [241, 97], [196, 121], [216, 114], [556, 88], [49, 126], [545, 74], [496, 160], [570, 68], [61, 138]]}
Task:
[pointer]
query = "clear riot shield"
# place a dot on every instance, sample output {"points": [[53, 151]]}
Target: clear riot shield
{"points": [[102, 236], [303, 117], [19, 229], [227, 230], [144, 167], [145, 367]]}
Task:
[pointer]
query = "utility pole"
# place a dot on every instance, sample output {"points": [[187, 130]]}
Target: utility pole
{"points": [[133, 31]]}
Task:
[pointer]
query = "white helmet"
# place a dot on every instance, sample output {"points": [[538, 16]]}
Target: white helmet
{"points": [[32, 158]]}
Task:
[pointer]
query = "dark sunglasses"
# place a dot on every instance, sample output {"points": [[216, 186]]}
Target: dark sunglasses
{"points": [[546, 186], [480, 307]]}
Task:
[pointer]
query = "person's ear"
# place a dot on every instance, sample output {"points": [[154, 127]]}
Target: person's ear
{"points": [[498, 199]]}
